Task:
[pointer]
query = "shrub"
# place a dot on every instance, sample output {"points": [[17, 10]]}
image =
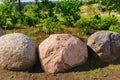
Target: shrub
{"points": [[14, 19], [2, 21], [69, 10], [50, 25], [87, 25], [107, 22], [28, 21], [6, 22], [115, 28]]}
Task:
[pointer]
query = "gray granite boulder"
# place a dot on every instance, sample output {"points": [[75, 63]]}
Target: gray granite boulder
{"points": [[60, 52], [17, 52], [106, 45]]}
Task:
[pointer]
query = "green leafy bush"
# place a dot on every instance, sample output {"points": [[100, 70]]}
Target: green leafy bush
{"points": [[50, 25], [107, 22], [6, 22], [69, 9], [2, 21], [87, 25], [28, 21], [115, 28]]}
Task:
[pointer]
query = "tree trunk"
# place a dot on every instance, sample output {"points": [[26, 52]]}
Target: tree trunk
{"points": [[19, 6]]}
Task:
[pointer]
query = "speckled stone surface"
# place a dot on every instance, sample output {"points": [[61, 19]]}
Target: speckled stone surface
{"points": [[106, 45], [60, 52], [17, 52]]}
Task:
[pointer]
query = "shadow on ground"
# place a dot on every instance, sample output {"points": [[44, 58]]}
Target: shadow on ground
{"points": [[92, 63], [37, 67]]}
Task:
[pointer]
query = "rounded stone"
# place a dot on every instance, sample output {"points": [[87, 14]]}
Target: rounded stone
{"points": [[17, 52], [106, 44], [60, 52]]}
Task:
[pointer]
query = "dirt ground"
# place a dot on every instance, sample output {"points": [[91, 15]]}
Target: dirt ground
{"points": [[93, 69]]}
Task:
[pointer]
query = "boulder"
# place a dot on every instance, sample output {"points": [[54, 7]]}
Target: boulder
{"points": [[106, 44], [60, 52], [17, 52], [1, 32]]}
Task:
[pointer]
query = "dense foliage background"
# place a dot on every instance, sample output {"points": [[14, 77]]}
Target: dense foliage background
{"points": [[52, 17]]}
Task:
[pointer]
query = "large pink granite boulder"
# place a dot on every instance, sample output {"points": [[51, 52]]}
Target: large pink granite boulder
{"points": [[60, 52]]}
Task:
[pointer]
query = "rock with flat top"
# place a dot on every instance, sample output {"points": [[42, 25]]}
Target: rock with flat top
{"points": [[17, 52], [106, 45], [60, 52]]}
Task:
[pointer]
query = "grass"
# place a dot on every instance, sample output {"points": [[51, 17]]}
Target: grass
{"points": [[114, 67], [34, 30], [77, 77], [118, 17], [105, 74], [32, 37], [91, 77], [11, 76], [97, 70]]}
